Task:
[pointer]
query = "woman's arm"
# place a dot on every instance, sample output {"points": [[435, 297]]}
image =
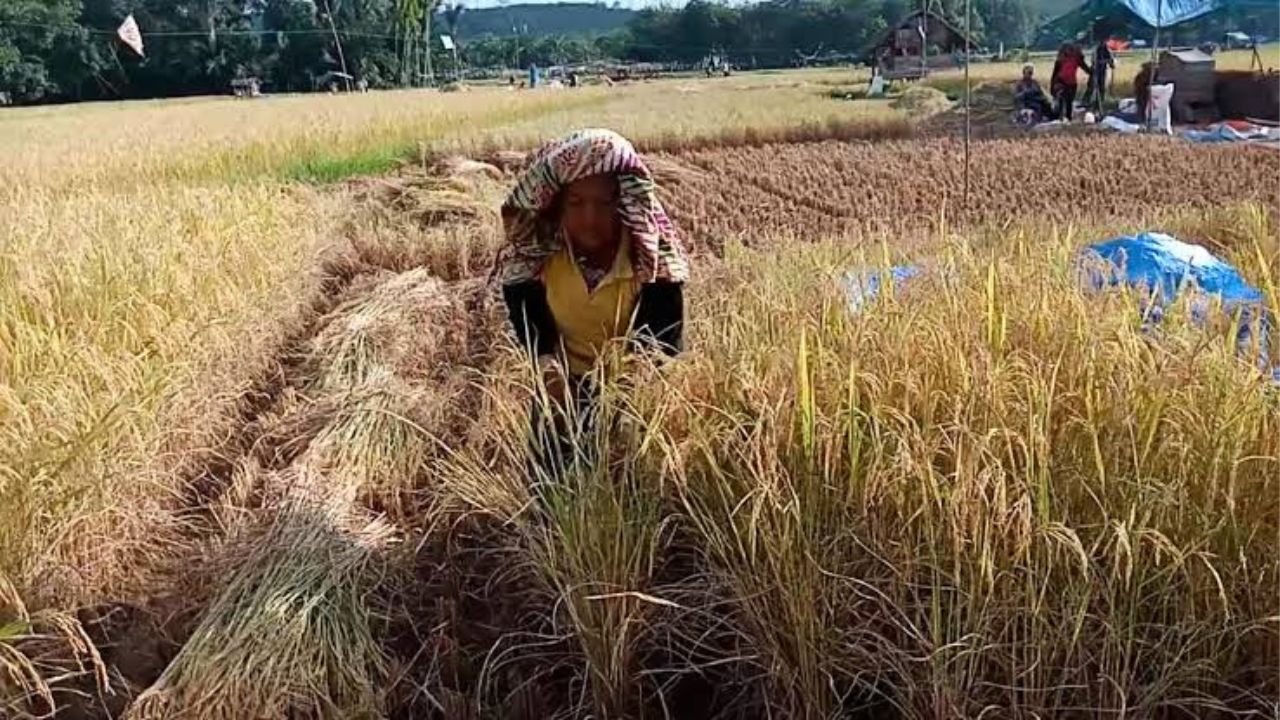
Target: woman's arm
{"points": [[659, 318], [530, 316]]}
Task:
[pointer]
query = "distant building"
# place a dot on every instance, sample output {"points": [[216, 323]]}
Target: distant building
{"points": [[918, 44], [246, 87]]}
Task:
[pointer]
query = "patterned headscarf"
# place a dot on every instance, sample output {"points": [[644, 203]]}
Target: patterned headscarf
{"points": [[532, 237]]}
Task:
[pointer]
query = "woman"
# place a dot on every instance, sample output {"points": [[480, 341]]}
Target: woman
{"points": [[1027, 95], [1063, 85], [590, 258]]}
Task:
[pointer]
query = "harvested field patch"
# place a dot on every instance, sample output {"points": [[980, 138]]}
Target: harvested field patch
{"points": [[833, 188]]}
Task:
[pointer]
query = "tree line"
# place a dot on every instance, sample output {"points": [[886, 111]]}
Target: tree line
{"points": [[66, 50]]}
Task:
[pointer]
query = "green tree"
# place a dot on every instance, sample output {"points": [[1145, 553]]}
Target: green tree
{"points": [[40, 46], [413, 20], [296, 48]]}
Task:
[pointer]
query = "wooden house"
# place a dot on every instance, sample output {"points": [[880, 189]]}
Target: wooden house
{"points": [[918, 44]]}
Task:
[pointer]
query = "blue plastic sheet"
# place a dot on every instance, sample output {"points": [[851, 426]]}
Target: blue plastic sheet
{"points": [[863, 286], [1223, 132], [1158, 264], [1164, 264], [1164, 267], [1136, 16], [1166, 13]]}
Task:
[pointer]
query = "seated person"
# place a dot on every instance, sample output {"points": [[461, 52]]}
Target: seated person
{"points": [[1028, 95]]}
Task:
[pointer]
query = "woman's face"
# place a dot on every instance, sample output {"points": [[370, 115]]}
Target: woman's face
{"points": [[589, 213]]}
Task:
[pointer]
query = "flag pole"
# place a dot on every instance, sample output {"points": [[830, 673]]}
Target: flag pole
{"points": [[1155, 44], [968, 97], [342, 60]]}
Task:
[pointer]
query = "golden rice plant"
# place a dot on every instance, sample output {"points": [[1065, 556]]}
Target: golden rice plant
{"points": [[987, 490], [37, 651], [595, 534], [990, 490]]}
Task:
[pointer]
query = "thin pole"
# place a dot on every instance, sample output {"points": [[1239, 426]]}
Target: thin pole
{"points": [[968, 97], [1155, 43], [342, 59], [923, 30]]}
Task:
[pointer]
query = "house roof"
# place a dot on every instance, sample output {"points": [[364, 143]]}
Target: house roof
{"points": [[888, 33]]}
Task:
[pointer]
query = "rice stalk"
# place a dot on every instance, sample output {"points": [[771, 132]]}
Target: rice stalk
{"points": [[292, 632], [39, 652]]}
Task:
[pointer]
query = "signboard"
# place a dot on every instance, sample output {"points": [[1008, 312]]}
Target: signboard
{"points": [[447, 42]]}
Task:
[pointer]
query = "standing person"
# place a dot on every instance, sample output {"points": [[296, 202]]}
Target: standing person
{"points": [[1104, 61], [1063, 85], [590, 259]]}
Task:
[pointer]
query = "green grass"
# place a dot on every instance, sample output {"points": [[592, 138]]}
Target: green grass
{"points": [[321, 169]]}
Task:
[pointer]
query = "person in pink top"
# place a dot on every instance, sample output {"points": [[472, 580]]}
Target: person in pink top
{"points": [[1063, 84]]}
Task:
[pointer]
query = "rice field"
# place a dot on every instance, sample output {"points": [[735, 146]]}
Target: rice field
{"points": [[845, 189], [263, 435]]}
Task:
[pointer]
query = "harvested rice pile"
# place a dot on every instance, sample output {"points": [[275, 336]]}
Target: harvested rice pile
{"points": [[833, 188], [991, 115], [293, 629], [922, 101]]}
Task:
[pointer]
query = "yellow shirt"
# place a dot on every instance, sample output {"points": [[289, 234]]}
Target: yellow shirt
{"points": [[588, 320]]}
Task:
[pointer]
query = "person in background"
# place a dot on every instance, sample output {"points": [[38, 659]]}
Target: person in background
{"points": [[1063, 85], [1104, 61], [590, 259], [1028, 95]]}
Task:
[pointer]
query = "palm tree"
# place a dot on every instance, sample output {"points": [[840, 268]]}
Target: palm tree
{"points": [[408, 20], [414, 35], [452, 14], [428, 10]]}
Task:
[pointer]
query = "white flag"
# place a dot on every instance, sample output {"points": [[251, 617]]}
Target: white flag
{"points": [[130, 35], [447, 42]]}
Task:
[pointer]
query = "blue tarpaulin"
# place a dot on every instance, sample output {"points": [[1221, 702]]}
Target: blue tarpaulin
{"points": [[1164, 266], [1161, 264], [1134, 16], [1166, 13], [861, 287], [1222, 132]]}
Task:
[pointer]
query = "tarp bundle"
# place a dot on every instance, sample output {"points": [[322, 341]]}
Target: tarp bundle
{"points": [[863, 286], [1164, 267], [1233, 131]]}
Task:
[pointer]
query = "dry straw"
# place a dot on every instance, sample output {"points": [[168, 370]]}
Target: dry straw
{"points": [[292, 632]]}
